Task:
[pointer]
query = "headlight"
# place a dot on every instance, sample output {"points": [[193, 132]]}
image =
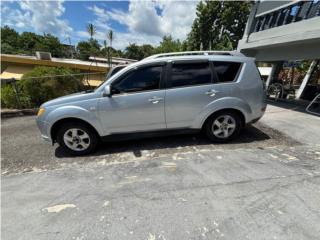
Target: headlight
{"points": [[41, 112]]}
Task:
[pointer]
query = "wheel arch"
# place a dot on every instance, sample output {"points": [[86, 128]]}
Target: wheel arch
{"points": [[237, 111], [56, 126]]}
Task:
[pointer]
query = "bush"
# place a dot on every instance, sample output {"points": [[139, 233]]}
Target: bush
{"points": [[9, 97], [40, 85], [46, 83]]}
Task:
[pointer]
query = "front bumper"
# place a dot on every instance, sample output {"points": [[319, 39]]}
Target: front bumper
{"points": [[46, 138], [44, 130]]}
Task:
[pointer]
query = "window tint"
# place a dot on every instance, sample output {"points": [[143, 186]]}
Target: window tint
{"points": [[114, 71], [143, 79], [226, 71], [185, 74]]}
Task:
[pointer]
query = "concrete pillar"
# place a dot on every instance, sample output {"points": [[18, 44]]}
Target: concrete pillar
{"points": [[306, 79], [276, 67], [251, 20]]}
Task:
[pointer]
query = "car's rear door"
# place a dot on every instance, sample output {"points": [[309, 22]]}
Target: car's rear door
{"points": [[193, 85], [190, 88]]}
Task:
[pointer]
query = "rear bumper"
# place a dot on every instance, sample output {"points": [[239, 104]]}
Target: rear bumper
{"points": [[255, 120], [260, 115]]}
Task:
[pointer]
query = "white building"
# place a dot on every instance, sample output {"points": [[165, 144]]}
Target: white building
{"points": [[279, 31]]}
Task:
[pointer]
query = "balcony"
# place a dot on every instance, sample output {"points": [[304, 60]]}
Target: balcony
{"points": [[291, 31]]}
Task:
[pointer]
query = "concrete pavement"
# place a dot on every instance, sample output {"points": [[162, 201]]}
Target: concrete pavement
{"points": [[293, 121], [264, 186], [233, 194]]}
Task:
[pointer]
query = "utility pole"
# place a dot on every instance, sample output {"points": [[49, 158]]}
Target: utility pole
{"points": [[71, 50]]}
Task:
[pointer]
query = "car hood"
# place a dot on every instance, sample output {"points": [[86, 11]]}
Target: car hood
{"points": [[81, 96]]}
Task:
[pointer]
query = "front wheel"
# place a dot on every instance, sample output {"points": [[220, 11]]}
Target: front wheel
{"points": [[223, 126], [77, 138]]}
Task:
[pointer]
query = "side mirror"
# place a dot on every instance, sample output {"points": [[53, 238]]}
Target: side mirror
{"points": [[107, 91]]}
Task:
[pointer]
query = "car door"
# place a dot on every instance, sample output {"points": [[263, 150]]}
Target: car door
{"points": [[136, 103], [189, 89], [192, 86]]}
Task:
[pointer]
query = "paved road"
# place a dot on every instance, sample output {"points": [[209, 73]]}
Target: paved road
{"points": [[24, 151], [265, 186]]}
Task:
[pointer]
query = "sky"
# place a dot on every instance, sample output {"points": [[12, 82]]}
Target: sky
{"points": [[140, 22]]}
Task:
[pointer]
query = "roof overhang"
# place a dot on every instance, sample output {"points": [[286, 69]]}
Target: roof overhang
{"points": [[55, 62]]}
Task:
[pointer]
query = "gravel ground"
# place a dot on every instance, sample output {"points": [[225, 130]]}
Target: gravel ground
{"points": [[23, 150]]}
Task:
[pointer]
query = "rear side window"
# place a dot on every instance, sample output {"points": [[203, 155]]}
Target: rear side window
{"points": [[226, 71], [187, 74]]}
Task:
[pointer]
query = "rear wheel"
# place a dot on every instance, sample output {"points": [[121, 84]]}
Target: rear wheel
{"points": [[77, 138], [223, 126]]}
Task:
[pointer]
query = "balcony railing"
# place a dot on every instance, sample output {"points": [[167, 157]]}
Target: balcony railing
{"points": [[292, 13]]}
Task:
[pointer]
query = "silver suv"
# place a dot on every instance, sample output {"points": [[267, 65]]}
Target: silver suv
{"points": [[218, 92]]}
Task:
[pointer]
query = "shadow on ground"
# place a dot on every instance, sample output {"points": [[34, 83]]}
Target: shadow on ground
{"points": [[293, 105], [250, 134]]}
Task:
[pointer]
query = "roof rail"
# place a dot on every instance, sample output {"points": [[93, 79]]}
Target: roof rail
{"points": [[205, 53]]}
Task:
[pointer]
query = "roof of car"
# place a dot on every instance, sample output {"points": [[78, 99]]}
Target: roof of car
{"points": [[195, 53]]}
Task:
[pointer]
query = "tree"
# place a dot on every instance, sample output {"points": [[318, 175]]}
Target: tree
{"points": [[88, 48], [91, 29], [110, 37], [27, 42], [134, 51], [147, 50], [50, 43], [7, 48], [168, 44], [113, 52], [9, 37], [218, 25]]}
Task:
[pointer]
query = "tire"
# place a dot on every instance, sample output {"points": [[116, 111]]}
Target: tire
{"points": [[230, 126], [77, 138]]}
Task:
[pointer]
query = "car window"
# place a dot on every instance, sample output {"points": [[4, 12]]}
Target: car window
{"points": [[113, 71], [186, 74], [144, 79], [226, 71]]}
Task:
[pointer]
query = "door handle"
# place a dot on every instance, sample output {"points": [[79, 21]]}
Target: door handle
{"points": [[212, 92], [155, 100]]}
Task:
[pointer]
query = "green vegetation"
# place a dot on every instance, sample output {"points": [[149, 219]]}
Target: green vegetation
{"points": [[11, 99], [28, 43], [91, 30], [36, 88], [218, 26]]}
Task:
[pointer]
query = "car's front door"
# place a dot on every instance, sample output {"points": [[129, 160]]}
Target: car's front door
{"points": [[136, 103]]}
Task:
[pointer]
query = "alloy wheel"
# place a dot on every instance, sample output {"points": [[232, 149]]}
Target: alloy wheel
{"points": [[223, 126], [76, 139]]}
